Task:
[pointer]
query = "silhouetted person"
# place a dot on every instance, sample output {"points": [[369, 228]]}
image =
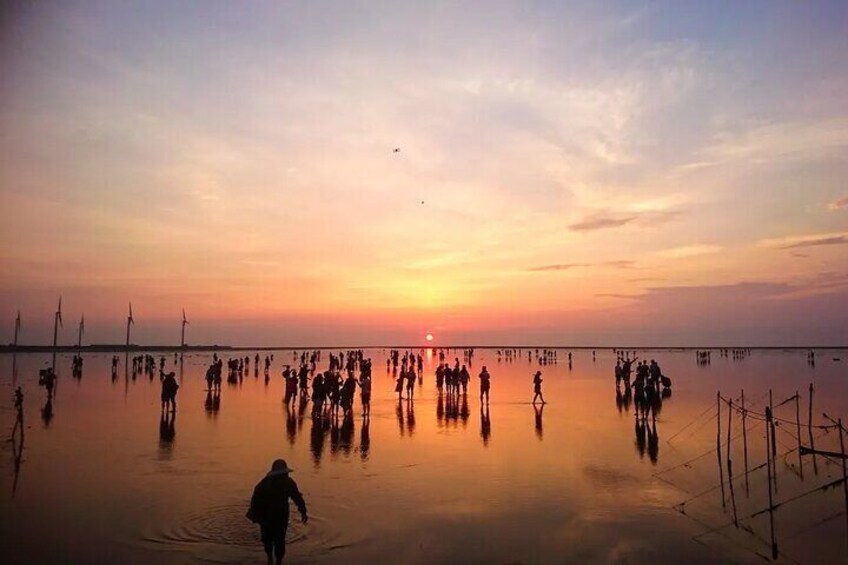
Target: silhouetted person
{"points": [[365, 393], [48, 378], [485, 384], [269, 507], [399, 384], [169, 392], [537, 387]]}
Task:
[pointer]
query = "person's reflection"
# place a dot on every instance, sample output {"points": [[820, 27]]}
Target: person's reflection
{"points": [[213, 403], [628, 397], [291, 423], [666, 393], [539, 409], [347, 433], [463, 411], [410, 416], [47, 412], [641, 431], [485, 424], [365, 438], [335, 438], [301, 411], [316, 439], [619, 400], [653, 442], [167, 430], [440, 410], [400, 420]]}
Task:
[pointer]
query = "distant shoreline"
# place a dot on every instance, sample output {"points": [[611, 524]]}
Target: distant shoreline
{"points": [[107, 348]]}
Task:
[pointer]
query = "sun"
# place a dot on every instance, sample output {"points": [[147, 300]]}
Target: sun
{"points": [[429, 337]]}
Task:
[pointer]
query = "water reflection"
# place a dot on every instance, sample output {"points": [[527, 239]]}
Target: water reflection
{"points": [[365, 438], [316, 438], [17, 438], [648, 402], [291, 423], [485, 424], [47, 412], [213, 402], [346, 434], [452, 408], [401, 439], [539, 409], [167, 432]]}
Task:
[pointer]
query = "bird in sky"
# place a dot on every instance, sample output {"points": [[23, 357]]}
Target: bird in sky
{"points": [[396, 150]]}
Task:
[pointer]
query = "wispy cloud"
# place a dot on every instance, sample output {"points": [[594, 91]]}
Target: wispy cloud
{"points": [[838, 204], [604, 219], [600, 221], [835, 240], [688, 251], [621, 264], [802, 241], [558, 267]]}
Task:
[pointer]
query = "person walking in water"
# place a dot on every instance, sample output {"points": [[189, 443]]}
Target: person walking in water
{"points": [[537, 387], [269, 507], [485, 384], [169, 392]]}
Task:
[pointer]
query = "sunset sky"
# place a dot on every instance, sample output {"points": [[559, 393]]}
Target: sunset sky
{"points": [[574, 173]]}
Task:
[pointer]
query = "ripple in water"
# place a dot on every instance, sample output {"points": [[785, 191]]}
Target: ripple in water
{"points": [[222, 533]]}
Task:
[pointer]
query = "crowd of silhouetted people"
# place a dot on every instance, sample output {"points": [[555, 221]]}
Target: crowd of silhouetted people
{"points": [[646, 394]]}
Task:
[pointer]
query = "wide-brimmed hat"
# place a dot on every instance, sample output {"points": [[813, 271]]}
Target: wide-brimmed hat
{"points": [[280, 467]]}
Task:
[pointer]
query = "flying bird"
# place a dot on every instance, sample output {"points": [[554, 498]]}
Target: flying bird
{"points": [[396, 150]]}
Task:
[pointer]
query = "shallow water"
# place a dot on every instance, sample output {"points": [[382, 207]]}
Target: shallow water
{"points": [[103, 479]]}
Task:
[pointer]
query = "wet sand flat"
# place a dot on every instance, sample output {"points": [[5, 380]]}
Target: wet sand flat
{"points": [[102, 478]]}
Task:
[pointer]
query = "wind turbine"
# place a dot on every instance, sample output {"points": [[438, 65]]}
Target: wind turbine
{"points": [[130, 322], [57, 321], [182, 337], [17, 328], [81, 331]]}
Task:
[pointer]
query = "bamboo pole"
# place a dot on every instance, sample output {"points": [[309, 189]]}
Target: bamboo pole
{"points": [[810, 428], [718, 446], [773, 441], [730, 463], [798, 429], [768, 467], [745, 442], [844, 470]]}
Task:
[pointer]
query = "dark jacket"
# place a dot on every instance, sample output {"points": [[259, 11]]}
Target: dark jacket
{"points": [[269, 505]]}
